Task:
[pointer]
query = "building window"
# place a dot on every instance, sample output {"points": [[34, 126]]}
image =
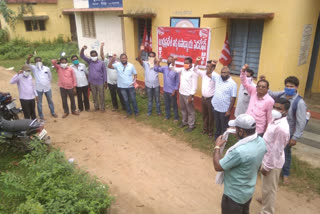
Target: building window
{"points": [[141, 24], [88, 25], [245, 44], [35, 25]]}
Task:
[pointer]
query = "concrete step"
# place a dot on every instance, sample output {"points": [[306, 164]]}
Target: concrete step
{"points": [[311, 134]]}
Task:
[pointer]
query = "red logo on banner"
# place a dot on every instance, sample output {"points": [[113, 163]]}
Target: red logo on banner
{"points": [[184, 42]]}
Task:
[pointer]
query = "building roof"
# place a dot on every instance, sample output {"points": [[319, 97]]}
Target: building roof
{"points": [[230, 15], [72, 10]]}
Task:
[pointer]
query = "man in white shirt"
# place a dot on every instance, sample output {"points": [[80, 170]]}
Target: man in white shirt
{"points": [[81, 73], [207, 90], [112, 78], [43, 78], [188, 87], [243, 95], [224, 98]]}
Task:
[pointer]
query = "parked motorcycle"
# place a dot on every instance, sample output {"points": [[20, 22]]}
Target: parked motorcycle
{"points": [[8, 109], [19, 133]]}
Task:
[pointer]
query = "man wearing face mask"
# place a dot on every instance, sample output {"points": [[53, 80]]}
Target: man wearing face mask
{"points": [[261, 103], [188, 87], [151, 81], [296, 118], [127, 77], [207, 91], [170, 88], [27, 91], [243, 95], [81, 73], [67, 83], [277, 136], [237, 170], [223, 100], [97, 78], [43, 78]]}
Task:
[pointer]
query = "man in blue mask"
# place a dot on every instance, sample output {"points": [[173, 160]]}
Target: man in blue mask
{"points": [[296, 118]]}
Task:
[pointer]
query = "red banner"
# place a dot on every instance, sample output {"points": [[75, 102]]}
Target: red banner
{"points": [[184, 42]]}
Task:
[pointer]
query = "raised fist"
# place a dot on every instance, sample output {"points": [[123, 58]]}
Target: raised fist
{"points": [[84, 47], [245, 67], [102, 44], [142, 47], [198, 59]]}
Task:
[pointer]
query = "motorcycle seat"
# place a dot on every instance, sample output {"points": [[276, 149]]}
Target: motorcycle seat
{"points": [[15, 125]]}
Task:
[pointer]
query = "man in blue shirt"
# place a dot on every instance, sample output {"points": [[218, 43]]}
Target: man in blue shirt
{"points": [[238, 169], [170, 88], [127, 76], [151, 81]]}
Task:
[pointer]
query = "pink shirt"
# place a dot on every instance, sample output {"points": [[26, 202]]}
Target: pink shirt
{"points": [[276, 137], [67, 78], [259, 108]]}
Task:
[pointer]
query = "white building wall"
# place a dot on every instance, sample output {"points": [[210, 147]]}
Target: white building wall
{"points": [[108, 30], [81, 3]]}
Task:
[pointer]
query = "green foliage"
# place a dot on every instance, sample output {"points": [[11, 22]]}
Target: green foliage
{"points": [[4, 36], [47, 183], [11, 17]]}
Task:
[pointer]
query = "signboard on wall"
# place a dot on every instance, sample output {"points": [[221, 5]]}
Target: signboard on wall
{"points": [[105, 3], [305, 44], [184, 42]]}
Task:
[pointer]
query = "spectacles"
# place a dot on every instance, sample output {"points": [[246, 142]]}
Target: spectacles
{"points": [[261, 86]]}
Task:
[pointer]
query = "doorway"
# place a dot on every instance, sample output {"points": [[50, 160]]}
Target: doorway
{"points": [[313, 61], [73, 28]]}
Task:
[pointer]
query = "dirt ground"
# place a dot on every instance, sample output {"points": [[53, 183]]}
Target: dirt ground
{"points": [[147, 170]]}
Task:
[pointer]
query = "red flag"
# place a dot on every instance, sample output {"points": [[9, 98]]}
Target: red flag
{"points": [[225, 57], [145, 40], [150, 41]]}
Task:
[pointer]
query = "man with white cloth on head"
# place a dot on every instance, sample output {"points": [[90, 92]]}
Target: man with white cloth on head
{"points": [[238, 168]]}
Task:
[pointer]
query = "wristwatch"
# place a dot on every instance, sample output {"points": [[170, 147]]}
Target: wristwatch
{"points": [[216, 147]]}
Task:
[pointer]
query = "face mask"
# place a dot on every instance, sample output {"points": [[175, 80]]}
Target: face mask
{"points": [[26, 73], [276, 114], [63, 65], [224, 78], [75, 62], [186, 66], [290, 91], [39, 64], [94, 58]]}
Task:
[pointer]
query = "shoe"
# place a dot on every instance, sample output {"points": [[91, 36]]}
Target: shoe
{"points": [[113, 109], [87, 110], [75, 113], [189, 130], [65, 115], [182, 125], [80, 110], [210, 135], [175, 121], [166, 119], [55, 115], [286, 180]]}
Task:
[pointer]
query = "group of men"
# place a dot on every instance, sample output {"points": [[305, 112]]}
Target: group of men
{"points": [[267, 123]]}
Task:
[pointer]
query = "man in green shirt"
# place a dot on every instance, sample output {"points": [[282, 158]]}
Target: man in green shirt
{"points": [[239, 167]]}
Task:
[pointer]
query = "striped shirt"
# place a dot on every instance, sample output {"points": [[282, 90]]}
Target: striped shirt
{"points": [[224, 91]]}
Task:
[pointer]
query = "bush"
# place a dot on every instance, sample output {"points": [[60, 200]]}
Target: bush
{"points": [[47, 183], [4, 36]]}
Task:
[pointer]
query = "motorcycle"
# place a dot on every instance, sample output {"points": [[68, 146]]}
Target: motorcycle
{"points": [[8, 109], [19, 133]]}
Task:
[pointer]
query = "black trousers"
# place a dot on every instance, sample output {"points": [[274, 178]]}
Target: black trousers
{"points": [[207, 115], [82, 92], [64, 97], [28, 108], [228, 206], [221, 123], [114, 90]]}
